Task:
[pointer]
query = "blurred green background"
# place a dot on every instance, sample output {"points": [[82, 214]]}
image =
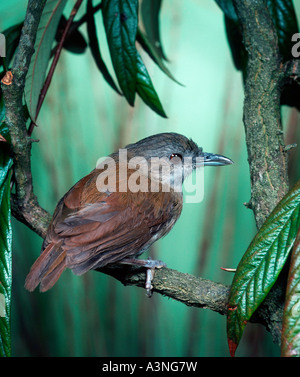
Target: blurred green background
{"points": [[83, 119]]}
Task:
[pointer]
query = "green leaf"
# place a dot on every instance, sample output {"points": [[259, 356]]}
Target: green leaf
{"points": [[150, 10], [95, 48], [235, 40], [234, 35], [148, 47], [146, 90], [12, 37], [43, 45], [5, 239], [290, 341], [261, 264], [5, 255], [4, 131], [228, 9], [285, 19], [120, 18], [74, 41], [2, 109]]}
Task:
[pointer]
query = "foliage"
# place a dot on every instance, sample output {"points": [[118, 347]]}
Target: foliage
{"points": [[290, 345], [5, 239], [261, 264], [269, 250], [284, 18]]}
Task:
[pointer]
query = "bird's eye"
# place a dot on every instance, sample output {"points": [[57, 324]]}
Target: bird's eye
{"points": [[176, 158]]}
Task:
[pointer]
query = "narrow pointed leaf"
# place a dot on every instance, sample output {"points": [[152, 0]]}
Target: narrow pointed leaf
{"points": [[4, 131], [150, 10], [147, 46], [120, 18], [261, 264], [284, 18], [12, 37], [146, 90], [95, 47], [228, 9], [5, 257], [75, 41], [43, 45], [5, 243], [290, 340]]}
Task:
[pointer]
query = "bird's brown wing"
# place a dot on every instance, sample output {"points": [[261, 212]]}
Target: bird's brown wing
{"points": [[120, 225], [90, 229]]}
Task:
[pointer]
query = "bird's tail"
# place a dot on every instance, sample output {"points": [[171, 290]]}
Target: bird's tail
{"points": [[47, 268]]}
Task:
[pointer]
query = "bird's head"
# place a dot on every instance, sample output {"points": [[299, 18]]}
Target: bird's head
{"points": [[171, 157]]}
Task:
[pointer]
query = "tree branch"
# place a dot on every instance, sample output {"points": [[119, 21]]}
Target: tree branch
{"points": [[201, 293], [262, 119], [24, 204]]}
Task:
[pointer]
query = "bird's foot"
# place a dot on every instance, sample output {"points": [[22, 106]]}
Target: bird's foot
{"points": [[151, 265]]}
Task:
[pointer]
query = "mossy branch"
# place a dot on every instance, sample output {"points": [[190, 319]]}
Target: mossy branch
{"points": [[267, 156]]}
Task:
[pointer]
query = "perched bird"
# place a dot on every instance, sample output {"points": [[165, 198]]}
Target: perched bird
{"points": [[116, 212]]}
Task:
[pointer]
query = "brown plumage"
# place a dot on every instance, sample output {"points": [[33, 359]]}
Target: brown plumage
{"points": [[91, 229]]}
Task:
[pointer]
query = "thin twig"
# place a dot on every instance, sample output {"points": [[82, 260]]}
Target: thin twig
{"points": [[84, 18], [54, 63]]}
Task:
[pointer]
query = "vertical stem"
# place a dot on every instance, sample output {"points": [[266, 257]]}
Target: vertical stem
{"points": [[15, 120], [54, 63], [262, 119]]}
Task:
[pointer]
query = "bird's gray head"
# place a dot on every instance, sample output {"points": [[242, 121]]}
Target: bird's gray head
{"points": [[174, 152]]}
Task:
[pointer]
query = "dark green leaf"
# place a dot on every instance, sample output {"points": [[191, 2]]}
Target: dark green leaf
{"points": [[228, 9], [120, 19], [95, 48], [261, 264], [235, 40], [4, 131], [43, 45], [146, 90], [284, 18], [290, 342], [148, 47], [290, 94], [12, 37], [234, 35], [5, 240], [150, 10], [74, 41], [5, 255], [2, 109]]}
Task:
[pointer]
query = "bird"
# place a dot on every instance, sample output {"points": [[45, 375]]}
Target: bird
{"points": [[116, 212]]}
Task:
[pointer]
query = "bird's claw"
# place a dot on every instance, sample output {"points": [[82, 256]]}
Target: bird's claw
{"points": [[151, 266], [151, 263], [149, 278]]}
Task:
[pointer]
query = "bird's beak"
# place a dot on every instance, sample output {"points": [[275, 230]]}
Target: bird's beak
{"points": [[210, 159]]}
